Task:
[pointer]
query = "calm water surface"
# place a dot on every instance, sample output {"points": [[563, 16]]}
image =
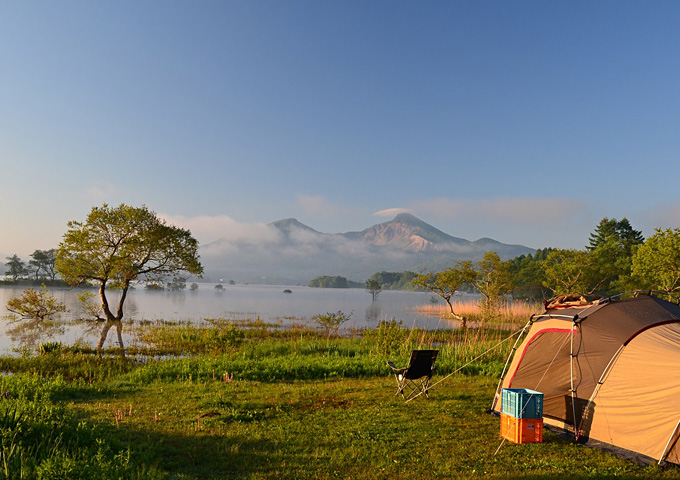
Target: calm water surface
{"points": [[268, 302]]}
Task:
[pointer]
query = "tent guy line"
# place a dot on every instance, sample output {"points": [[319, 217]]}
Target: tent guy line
{"points": [[468, 363]]}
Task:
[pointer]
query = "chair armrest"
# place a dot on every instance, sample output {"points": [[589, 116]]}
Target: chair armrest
{"points": [[394, 368]]}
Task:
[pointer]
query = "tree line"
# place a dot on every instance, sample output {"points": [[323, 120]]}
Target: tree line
{"points": [[385, 280], [114, 247], [617, 259], [40, 266]]}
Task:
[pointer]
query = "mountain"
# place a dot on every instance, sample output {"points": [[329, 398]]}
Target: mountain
{"points": [[407, 232], [288, 251], [289, 225]]}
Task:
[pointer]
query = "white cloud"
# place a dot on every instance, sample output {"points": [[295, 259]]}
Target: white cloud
{"points": [[208, 229], [392, 212]]}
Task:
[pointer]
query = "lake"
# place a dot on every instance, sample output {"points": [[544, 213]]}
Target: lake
{"points": [[268, 302]]}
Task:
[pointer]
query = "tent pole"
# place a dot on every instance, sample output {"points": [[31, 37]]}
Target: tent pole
{"points": [[571, 374], [668, 444]]}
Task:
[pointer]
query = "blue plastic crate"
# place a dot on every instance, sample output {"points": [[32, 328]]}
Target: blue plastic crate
{"points": [[522, 403]]}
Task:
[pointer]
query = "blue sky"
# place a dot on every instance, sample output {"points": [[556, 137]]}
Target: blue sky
{"points": [[523, 121]]}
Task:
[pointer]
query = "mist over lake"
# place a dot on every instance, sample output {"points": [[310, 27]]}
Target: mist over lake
{"points": [[269, 303]]}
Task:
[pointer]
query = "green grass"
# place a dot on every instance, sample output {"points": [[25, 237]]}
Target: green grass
{"points": [[344, 428], [290, 405]]}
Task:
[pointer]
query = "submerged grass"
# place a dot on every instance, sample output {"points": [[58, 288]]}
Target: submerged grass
{"points": [[231, 400]]}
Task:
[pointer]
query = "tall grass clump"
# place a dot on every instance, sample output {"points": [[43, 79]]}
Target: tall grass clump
{"points": [[509, 314], [40, 438], [319, 355], [470, 350], [68, 363], [189, 339]]}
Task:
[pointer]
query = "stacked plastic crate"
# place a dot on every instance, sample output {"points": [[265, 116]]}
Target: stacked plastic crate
{"points": [[522, 415]]}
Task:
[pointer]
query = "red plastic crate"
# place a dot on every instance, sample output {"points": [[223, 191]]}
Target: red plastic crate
{"points": [[521, 430]]}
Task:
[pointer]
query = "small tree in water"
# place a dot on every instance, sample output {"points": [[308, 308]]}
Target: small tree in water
{"points": [[117, 246], [373, 287], [37, 305], [35, 309], [331, 322]]}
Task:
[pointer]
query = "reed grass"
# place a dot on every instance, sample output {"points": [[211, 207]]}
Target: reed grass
{"points": [[511, 313]]}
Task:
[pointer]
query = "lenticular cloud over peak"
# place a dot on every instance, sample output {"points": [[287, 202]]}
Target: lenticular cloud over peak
{"points": [[392, 212]]}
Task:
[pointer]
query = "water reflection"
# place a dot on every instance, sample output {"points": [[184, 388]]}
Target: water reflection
{"points": [[235, 302], [373, 314], [29, 333], [178, 299]]}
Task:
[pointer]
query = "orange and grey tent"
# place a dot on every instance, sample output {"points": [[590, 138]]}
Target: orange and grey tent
{"points": [[609, 370]]}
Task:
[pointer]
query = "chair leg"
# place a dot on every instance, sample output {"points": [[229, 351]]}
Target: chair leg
{"points": [[400, 386], [413, 389], [425, 386]]}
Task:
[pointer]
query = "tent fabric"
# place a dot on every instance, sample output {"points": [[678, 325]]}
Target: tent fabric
{"points": [[571, 349], [641, 415]]}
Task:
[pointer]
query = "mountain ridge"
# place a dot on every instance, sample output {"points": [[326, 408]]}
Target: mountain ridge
{"points": [[409, 231], [289, 249]]}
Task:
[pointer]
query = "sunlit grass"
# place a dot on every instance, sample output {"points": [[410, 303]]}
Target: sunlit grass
{"points": [[322, 429], [512, 313]]}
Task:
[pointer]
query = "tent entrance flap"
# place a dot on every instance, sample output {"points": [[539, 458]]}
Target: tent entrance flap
{"points": [[672, 441]]}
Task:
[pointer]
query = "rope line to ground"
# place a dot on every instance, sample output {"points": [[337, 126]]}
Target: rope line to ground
{"points": [[468, 363]]}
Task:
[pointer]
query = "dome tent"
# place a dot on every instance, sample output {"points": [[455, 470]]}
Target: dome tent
{"points": [[608, 370]]}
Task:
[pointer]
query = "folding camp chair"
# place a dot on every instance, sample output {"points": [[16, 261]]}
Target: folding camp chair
{"points": [[420, 367]]}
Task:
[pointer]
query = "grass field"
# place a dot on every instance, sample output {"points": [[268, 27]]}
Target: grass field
{"points": [[262, 407]]}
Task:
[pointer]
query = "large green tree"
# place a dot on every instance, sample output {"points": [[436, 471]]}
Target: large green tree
{"points": [[620, 231], [656, 263], [447, 282], [114, 247], [612, 245]]}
